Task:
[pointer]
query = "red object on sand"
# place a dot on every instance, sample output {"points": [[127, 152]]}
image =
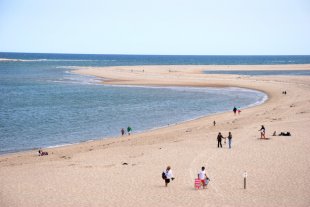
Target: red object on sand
{"points": [[197, 183]]}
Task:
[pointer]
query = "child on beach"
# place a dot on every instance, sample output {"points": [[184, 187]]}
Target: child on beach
{"points": [[239, 110], [122, 131]]}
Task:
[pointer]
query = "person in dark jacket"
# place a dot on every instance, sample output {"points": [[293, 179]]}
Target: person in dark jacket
{"points": [[219, 140], [235, 110]]}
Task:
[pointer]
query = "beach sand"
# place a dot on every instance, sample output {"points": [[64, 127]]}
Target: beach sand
{"points": [[126, 171]]}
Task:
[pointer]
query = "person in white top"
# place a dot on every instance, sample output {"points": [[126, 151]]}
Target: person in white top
{"points": [[202, 176], [169, 175]]}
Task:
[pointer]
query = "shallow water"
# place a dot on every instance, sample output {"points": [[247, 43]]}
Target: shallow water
{"points": [[43, 104]]}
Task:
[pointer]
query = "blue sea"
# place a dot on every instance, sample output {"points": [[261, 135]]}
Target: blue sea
{"points": [[43, 104]]}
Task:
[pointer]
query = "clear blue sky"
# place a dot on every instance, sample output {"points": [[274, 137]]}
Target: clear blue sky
{"points": [[191, 27]]}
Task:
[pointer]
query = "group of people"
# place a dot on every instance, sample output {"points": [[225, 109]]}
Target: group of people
{"points": [[235, 110], [220, 137], [201, 180], [282, 134], [129, 130]]}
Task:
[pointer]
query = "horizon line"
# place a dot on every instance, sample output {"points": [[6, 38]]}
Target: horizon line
{"points": [[138, 54]]}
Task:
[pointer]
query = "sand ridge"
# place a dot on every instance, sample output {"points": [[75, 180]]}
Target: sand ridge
{"points": [[95, 173]]}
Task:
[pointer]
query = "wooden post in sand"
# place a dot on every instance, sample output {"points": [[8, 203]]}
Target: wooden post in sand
{"points": [[245, 174]]}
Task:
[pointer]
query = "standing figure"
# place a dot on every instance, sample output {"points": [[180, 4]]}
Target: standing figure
{"points": [[219, 140], [129, 130], [239, 110], [229, 139], [214, 123], [123, 131], [262, 132], [202, 176], [168, 175], [235, 110]]}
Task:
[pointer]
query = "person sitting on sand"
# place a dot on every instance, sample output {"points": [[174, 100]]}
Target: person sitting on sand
{"points": [[262, 132], [41, 153], [168, 176], [285, 134], [202, 176]]}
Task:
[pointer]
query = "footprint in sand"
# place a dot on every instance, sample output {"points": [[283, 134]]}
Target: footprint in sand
{"points": [[108, 166], [65, 157], [135, 156]]}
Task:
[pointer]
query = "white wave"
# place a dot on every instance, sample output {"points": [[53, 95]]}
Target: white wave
{"points": [[192, 89], [50, 60], [21, 60], [59, 145], [259, 102], [71, 78]]}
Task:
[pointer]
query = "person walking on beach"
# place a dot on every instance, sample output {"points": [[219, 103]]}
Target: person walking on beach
{"points": [[262, 132], [229, 139], [123, 131], [129, 130], [214, 123], [202, 176], [168, 175], [219, 140], [235, 110]]}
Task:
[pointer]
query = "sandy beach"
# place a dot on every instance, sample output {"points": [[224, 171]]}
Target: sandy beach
{"points": [[126, 171]]}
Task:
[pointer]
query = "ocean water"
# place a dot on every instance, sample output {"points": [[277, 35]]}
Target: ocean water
{"points": [[43, 104]]}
